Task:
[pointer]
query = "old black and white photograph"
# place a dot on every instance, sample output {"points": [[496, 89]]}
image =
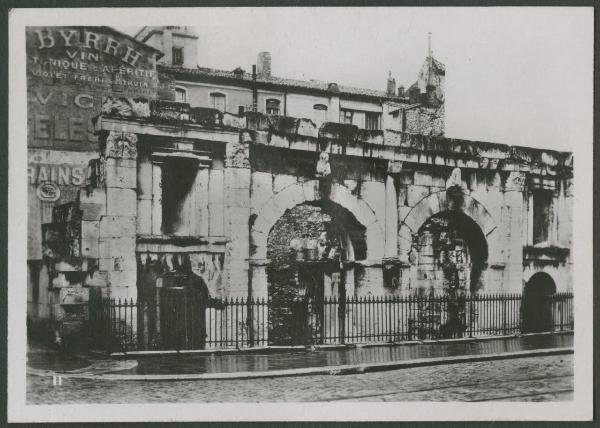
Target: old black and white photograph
{"points": [[377, 213]]}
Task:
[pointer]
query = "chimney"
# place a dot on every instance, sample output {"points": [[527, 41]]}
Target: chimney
{"points": [[263, 64], [391, 85]]}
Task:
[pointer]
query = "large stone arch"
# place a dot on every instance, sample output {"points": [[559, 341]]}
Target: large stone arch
{"points": [[439, 202], [298, 193]]}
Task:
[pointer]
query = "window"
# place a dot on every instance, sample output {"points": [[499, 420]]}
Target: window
{"points": [[542, 206], [273, 106], [180, 95], [241, 110], [217, 101], [320, 114], [346, 116], [372, 120], [178, 177], [177, 56]]}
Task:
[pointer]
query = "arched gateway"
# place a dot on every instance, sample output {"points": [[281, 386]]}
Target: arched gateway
{"points": [[449, 238], [309, 191], [310, 234]]}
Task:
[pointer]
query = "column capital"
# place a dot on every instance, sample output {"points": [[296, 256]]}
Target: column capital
{"points": [[120, 145], [237, 155], [515, 182]]}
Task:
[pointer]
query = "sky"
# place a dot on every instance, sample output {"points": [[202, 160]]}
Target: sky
{"points": [[520, 76]]}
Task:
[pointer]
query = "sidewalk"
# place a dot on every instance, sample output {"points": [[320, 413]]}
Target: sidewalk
{"points": [[44, 362]]}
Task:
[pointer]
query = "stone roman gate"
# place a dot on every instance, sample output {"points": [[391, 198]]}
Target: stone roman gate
{"points": [[279, 209]]}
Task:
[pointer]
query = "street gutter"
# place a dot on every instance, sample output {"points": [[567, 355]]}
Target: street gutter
{"points": [[312, 371], [301, 348]]}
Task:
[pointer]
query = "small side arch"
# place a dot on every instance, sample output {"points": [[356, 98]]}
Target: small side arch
{"points": [[536, 310]]}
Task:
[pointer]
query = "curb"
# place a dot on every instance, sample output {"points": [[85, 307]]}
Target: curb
{"points": [[311, 371], [300, 348]]}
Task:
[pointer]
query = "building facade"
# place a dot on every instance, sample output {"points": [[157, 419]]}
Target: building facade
{"points": [[274, 188]]}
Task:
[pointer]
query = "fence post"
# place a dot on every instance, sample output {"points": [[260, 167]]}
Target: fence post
{"points": [[504, 298], [471, 298], [250, 321], [561, 312]]}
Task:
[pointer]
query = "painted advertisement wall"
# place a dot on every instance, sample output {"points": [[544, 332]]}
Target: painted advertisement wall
{"points": [[69, 71]]}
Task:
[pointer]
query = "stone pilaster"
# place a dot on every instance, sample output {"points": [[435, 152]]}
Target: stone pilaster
{"points": [[117, 229], [391, 219], [512, 220], [144, 197], [236, 217]]}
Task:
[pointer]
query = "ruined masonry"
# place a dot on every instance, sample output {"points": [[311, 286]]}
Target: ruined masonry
{"points": [[260, 204]]}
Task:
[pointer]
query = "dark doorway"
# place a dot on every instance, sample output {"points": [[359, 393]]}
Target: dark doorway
{"points": [[536, 308], [172, 312], [309, 246], [183, 303]]}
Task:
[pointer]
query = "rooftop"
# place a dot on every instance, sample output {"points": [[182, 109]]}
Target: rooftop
{"points": [[239, 76]]}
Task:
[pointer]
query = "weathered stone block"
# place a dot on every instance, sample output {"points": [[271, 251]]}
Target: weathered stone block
{"points": [[405, 234], [237, 216], [111, 226], [375, 242], [281, 181], [262, 189], [362, 211], [122, 278], [373, 193], [144, 179], [97, 279], [422, 178], [281, 141], [420, 213], [144, 217], [258, 239], [117, 263], [415, 194], [286, 199], [259, 283], [117, 246], [262, 224], [121, 202], [239, 198], [370, 283], [120, 162], [123, 177], [90, 233], [239, 249], [237, 178], [92, 204]]}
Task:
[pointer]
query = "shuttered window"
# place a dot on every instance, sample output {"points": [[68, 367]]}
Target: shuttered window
{"points": [[372, 120], [273, 106], [217, 101]]}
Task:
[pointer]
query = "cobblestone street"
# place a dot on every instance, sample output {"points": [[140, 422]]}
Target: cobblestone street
{"points": [[525, 379]]}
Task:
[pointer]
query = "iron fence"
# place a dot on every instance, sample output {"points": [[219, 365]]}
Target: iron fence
{"points": [[122, 325], [395, 318], [181, 321]]}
